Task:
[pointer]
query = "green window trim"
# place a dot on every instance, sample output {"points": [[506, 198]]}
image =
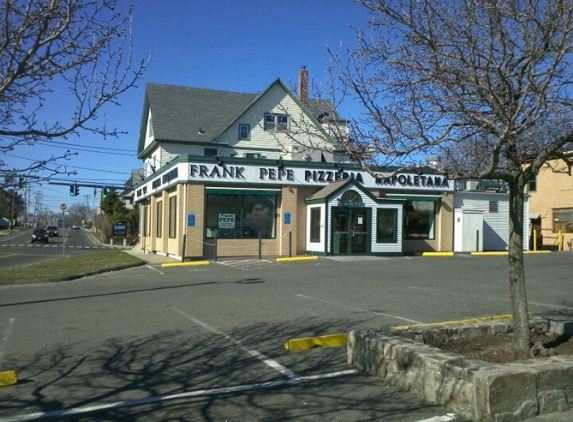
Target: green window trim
{"points": [[394, 229], [415, 197], [315, 214]]}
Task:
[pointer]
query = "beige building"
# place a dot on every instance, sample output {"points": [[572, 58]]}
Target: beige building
{"points": [[551, 204], [234, 174]]}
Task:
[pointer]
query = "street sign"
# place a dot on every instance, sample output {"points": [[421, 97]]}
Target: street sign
{"points": [[63, 207]]}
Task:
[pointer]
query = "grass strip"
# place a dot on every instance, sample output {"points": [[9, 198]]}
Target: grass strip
{"points": [[70, 267]]}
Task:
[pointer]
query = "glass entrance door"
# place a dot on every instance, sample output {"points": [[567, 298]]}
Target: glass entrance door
{"points": [[350, 231]]}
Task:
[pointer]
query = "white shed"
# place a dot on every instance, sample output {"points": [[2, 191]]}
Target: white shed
{"points": [[482, 218]]}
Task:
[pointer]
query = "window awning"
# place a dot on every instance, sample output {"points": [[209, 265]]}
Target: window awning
{"points": [[239, 191], [433, 198]]}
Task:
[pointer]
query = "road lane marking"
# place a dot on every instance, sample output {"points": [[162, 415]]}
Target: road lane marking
{"points": [[265, 359], [354, 308], [191, 394]]}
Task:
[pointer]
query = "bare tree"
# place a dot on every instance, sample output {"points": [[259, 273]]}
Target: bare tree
{"points": [[485, 84], [73, 56]]}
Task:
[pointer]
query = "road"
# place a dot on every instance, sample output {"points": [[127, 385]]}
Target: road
{"points": [[16, 248], [206, 343]]}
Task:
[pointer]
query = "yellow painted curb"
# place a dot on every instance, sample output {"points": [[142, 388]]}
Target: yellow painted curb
{"points": [[489, 253], [185, 264], [8, 378], [305, 343], [460, 321], [494, 253], [437, 254], [298, 258]]}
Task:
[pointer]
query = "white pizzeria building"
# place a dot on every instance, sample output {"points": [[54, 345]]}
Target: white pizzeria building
{"points": [[234, 174]]}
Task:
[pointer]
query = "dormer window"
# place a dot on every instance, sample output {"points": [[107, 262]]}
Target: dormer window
{"points": [[244, 131], [276, 122]]}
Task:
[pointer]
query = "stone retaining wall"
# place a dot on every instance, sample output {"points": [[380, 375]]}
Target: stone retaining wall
{"points": [[471, 388]]}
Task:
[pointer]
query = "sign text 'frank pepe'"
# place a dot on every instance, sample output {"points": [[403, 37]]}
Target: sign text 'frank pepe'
{"points": [[316, 176]]}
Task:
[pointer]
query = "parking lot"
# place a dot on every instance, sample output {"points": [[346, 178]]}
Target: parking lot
{"points": [[206, 343]]}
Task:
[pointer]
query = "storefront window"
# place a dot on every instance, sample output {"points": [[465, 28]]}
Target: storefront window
{"points": [[144, 210], [315, 225], [420, 219], [240, 216], [386, 222], [563, 220], [159, 232], [172, 217]]}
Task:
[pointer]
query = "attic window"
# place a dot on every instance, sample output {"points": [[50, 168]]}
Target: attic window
{"points": [[244, 131], [276, 122], [150, 128]]}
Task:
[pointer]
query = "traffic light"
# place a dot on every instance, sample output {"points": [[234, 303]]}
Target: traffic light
{"points": [[74, 190], [104, 193]]}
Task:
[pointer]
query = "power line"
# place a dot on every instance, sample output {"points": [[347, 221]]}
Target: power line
{"points": [[69, 165], [84, 146], [92, 149]]}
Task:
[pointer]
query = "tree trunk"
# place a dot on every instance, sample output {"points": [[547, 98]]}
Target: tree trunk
{"points": [[517, 291]]}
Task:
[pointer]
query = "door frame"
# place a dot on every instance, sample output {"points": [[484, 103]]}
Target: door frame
{"points": [[368, 230]]}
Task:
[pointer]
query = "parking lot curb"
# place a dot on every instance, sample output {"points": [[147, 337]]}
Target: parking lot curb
{"points": [[456, 322], [437, 254], [305, 343], [185, 264], [298, 258], [8, 378]]}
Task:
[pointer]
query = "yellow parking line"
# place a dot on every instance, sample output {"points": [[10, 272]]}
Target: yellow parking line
{"points": [[298, 258], [8, 378], [185, 264], [305, 343]]}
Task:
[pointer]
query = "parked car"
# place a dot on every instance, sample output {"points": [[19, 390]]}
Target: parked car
{"points": [[75, 227], [52, 231], [40, 235]]}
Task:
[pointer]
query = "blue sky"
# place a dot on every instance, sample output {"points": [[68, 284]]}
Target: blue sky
{"points": [[230, 45]]}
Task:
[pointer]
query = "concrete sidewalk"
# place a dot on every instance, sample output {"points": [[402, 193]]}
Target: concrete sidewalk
{"points": [[150, 257]]}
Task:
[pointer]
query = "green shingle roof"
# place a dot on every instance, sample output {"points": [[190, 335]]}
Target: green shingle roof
{"points": [[193, 114]]}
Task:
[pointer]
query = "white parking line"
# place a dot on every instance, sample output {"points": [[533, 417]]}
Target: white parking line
{"points": [[354, 308], [179, 396], [4, 342], [445, 418], [265, 359], [155, 269], [502, 299]]}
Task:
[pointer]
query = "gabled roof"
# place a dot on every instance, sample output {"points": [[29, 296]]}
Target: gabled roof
{"points": [[184, 114], [328, 190], [333, 188], [192, 114]]}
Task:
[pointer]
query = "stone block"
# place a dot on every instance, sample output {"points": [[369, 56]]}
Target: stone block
{"points": [[472, 388]]}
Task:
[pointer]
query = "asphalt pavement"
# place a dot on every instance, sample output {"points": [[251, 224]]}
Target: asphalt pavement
{"points": [[154, 259]]}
